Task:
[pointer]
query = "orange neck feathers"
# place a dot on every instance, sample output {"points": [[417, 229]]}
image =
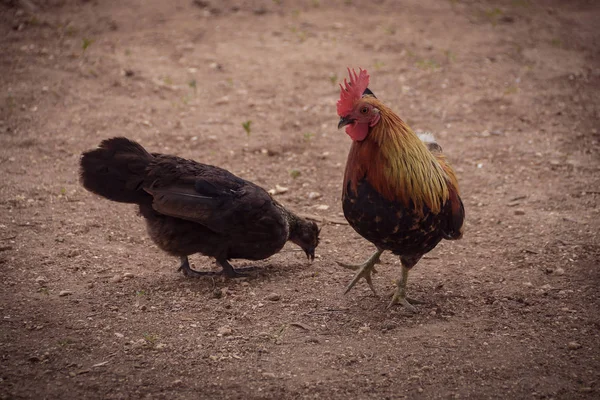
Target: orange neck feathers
{"points": [[397, 164]]}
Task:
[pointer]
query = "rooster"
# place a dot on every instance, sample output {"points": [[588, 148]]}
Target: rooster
{"points": [[399, 192], [195, 208]]}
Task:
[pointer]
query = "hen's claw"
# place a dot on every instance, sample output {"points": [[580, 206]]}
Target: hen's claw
{"points": [[364, 271], [227, 270]]}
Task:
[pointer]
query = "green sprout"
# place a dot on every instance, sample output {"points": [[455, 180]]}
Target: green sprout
{"points": [[246, 126], [308, 136], [86, 43]]}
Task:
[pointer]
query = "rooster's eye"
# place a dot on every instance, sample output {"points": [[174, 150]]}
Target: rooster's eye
{"points": [[364, 110]]}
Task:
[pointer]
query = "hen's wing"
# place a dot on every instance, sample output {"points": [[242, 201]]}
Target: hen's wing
{"points": [[207, 195]]}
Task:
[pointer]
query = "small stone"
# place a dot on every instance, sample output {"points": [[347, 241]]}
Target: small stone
{"points": [[177, 382], [519, 212], [116, 279], [128, 275], [273, 297], [222, 100], [559, 271], [64, 293], [90, 285], [322, 207], [119, 335], [314, 195], [224, 331], [573, 346], [364, 329], [40, 280], [160, 346], [278, 190], [269, 375]]}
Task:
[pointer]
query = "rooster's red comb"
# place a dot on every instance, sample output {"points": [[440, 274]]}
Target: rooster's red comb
{"points": [[352, 91]]}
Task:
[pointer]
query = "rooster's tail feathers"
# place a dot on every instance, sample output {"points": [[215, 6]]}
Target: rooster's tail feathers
{"points": [[429, 140]]}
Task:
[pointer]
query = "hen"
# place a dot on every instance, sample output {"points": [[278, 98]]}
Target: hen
{"points": [[195, 208], [399, 192]]}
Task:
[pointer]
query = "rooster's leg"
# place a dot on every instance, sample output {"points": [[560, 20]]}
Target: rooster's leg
{"points": [[364, 271], [400, 294]]}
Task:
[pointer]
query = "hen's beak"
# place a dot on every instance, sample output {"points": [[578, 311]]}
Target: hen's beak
{"points": [[345, 121], [310, 253]]}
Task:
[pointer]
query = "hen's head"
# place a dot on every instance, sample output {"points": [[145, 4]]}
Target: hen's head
{"points": [[356, 113], [306, 235]]}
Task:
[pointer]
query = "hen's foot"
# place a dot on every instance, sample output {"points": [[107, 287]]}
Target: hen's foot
{"points": [[227, 270], [364, 271]]}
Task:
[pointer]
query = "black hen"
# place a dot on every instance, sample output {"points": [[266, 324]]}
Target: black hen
{"points": [[195, 208]]}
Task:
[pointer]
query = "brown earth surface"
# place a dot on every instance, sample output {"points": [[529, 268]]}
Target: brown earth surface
{"points": [[91, 308]]}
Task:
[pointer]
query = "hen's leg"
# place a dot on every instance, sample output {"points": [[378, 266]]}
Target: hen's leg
{"points": [[232, 272], [364, 271], [189, 272]]}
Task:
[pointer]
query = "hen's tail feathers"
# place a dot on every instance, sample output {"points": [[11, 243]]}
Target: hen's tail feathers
{"points": [[116, 170]]}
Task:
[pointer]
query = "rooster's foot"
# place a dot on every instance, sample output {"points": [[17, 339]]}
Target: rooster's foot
{"points": [[399, 296], [402, 301], [364, 271]]}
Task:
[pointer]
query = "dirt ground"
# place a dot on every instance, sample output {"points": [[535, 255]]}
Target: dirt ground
{"points": [[91, 308]]}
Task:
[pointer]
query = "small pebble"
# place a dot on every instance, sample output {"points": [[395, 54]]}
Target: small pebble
{"points": [[559, 271], [116, 279], [363, 329], [519, 212], [64, 293], [273, 297], [573, 346], [314, 195], [128, 275], [40, 280], [224, 331]]}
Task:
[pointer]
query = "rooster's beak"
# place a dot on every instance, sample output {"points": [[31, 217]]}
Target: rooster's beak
{"points": [[345, 121]]}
